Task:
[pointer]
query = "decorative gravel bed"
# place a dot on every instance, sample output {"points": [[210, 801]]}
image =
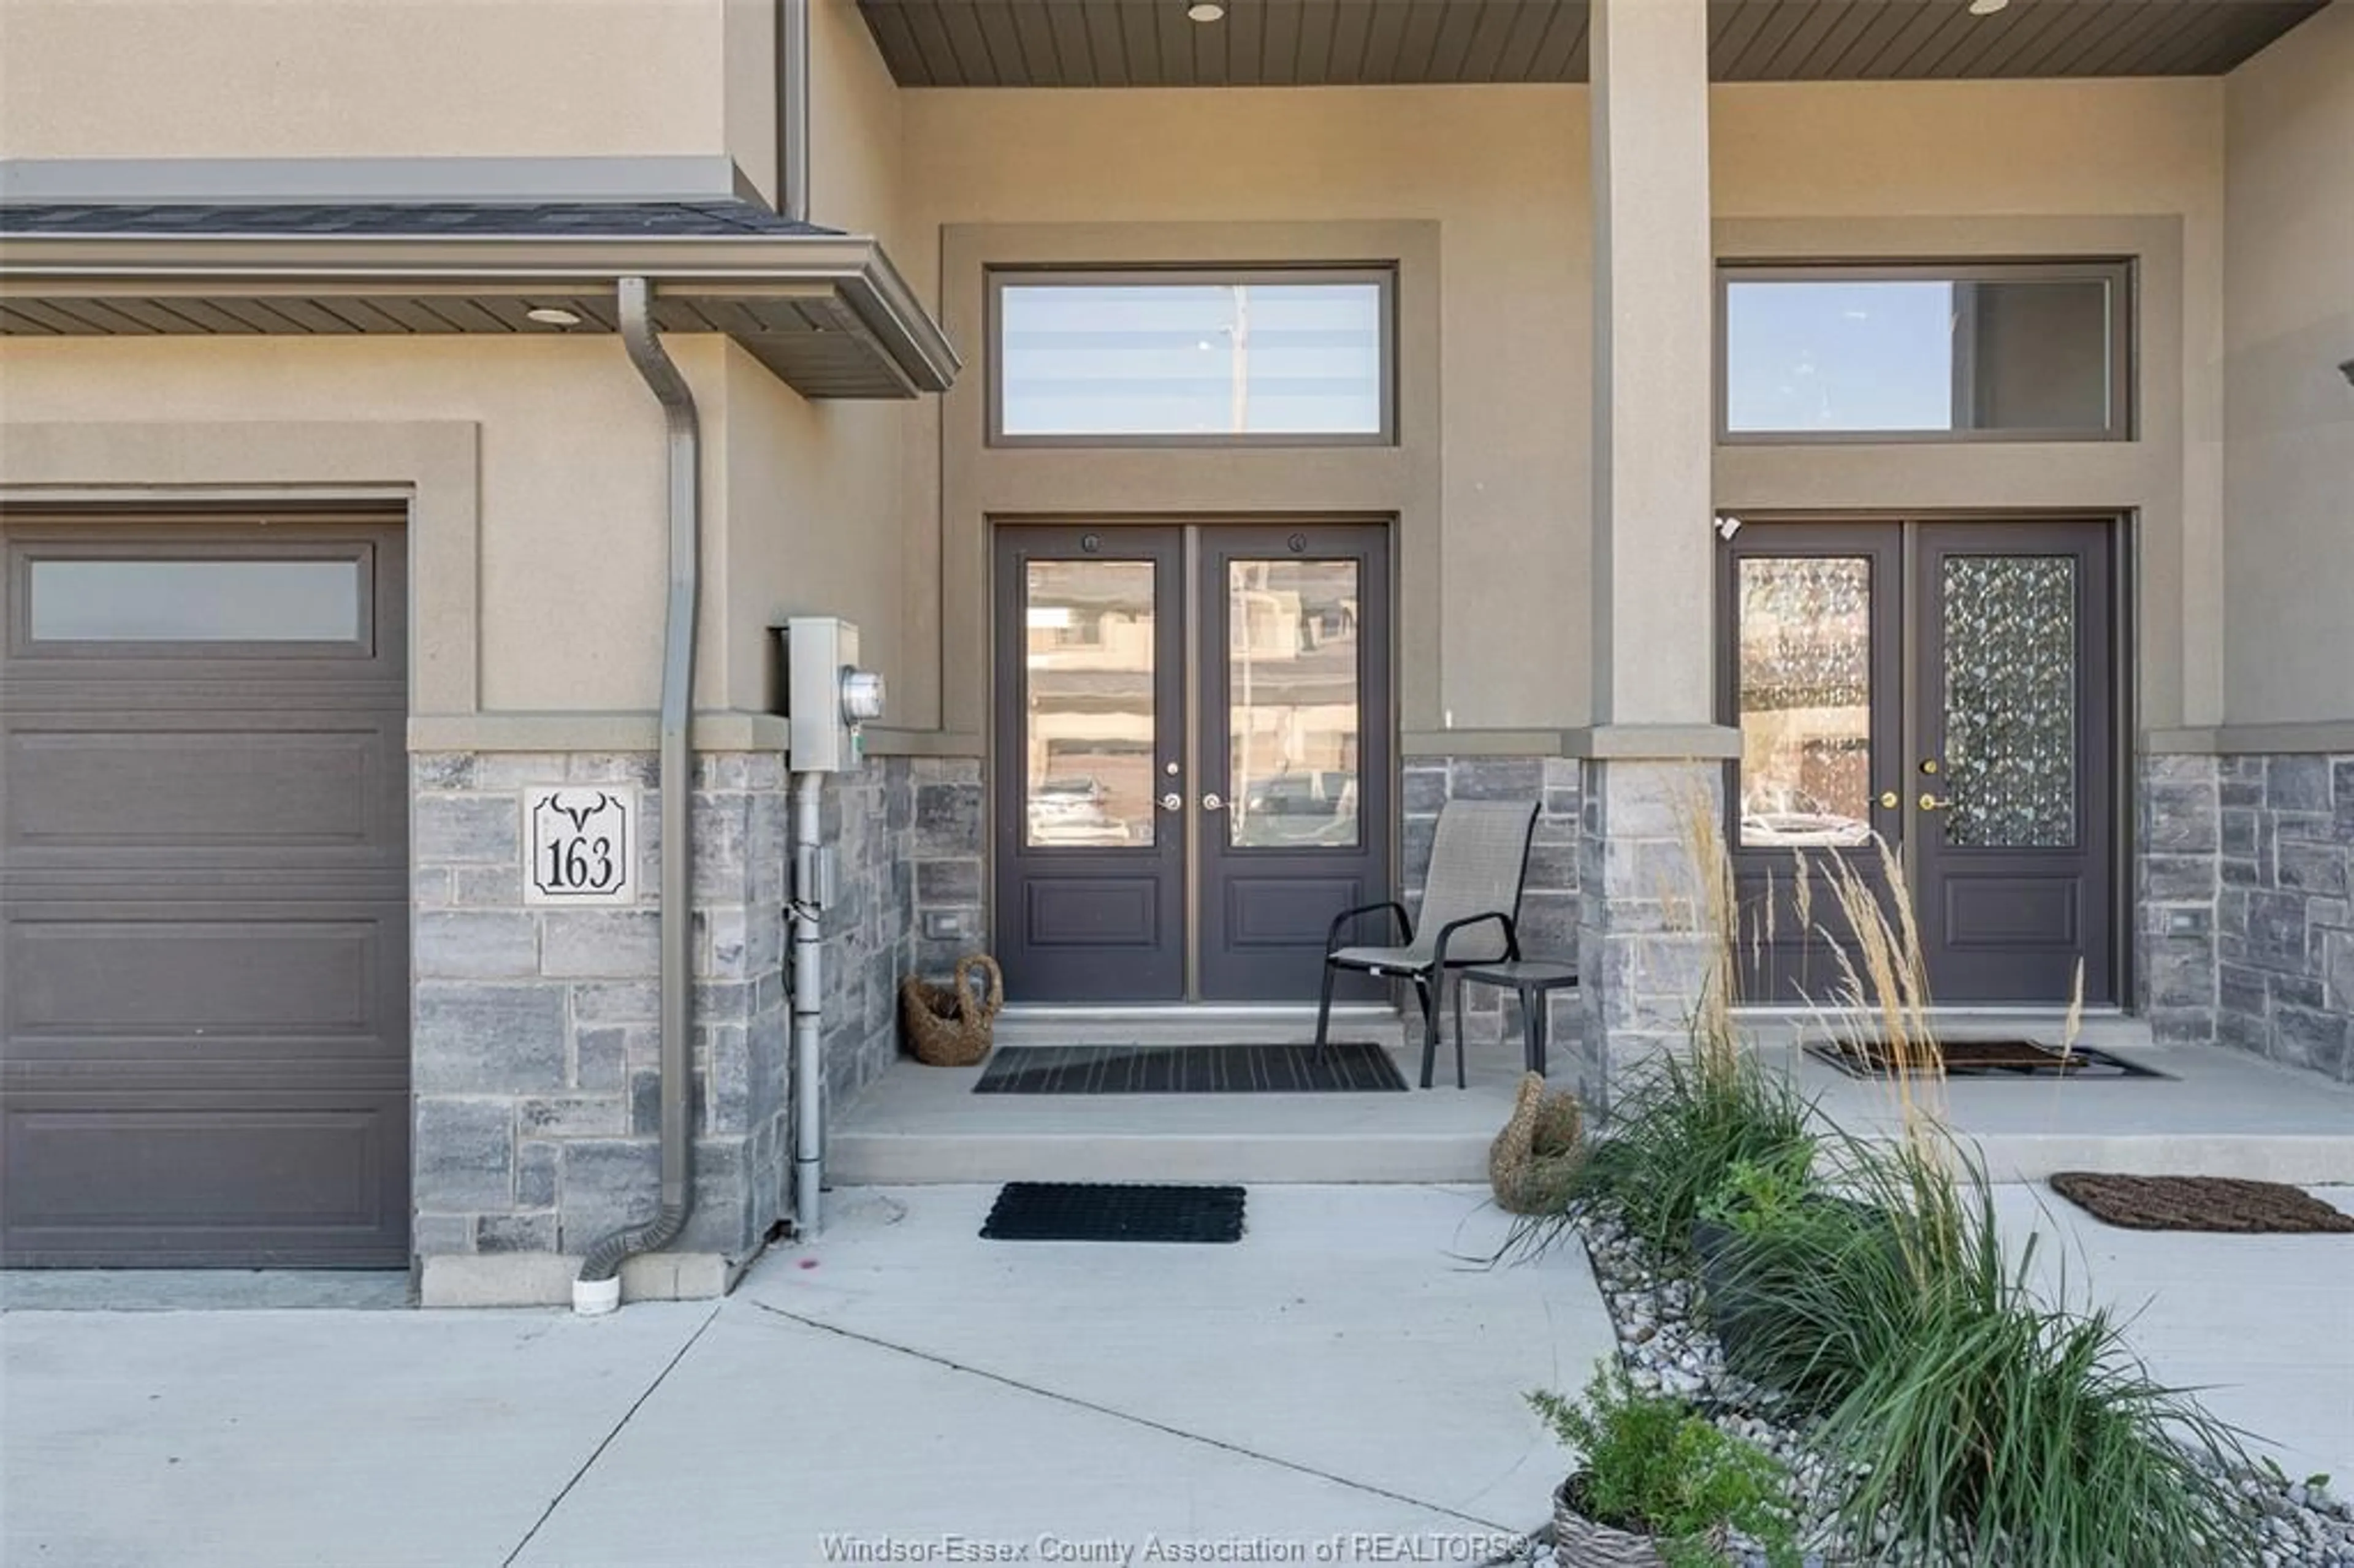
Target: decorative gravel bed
{"points": [[1667, 1346]]}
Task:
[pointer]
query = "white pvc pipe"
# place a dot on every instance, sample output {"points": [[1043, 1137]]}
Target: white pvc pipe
{"points": [[808, 1039]]}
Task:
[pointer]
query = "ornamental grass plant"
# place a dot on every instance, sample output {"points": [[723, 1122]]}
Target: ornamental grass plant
{"points": [[1974, 1416], [1966, 1411]]}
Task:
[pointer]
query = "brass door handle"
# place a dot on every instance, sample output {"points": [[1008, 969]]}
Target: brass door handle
{"points": [[1889, 799], [1171, 801], [1212, 803], [1934, 802]]}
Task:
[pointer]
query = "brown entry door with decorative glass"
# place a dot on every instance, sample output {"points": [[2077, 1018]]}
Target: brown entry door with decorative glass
{"points": [[1192, 769], [1947, 688]]}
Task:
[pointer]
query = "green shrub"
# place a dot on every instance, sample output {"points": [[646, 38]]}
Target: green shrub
{"points": [[1765, 1197], [1651, 1466]]}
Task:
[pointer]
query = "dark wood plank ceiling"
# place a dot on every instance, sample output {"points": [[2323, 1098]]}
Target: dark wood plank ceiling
{"points": [[1285, 43]]}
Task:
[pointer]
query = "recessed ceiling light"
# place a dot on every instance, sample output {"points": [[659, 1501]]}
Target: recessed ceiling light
{"points": [[1205, 11], [1986, 8], [549, 315]]}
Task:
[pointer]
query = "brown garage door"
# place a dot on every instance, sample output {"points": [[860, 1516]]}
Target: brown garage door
{"points": [[203, 891]]}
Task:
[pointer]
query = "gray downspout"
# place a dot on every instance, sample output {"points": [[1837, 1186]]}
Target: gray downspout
{"points": [[793, 110], [598, 1287], [808, 1016], [808, 938]]}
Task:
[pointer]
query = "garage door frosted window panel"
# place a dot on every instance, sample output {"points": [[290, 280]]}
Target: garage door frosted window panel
{"points": [[1205, 362], [195, 600]]}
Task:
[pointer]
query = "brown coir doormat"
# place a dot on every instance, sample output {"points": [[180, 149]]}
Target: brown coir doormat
{"points": [[2198, 1203]]}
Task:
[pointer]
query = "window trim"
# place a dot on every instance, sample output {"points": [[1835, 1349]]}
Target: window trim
{"points": [[2117, 272], [1382, 275]]}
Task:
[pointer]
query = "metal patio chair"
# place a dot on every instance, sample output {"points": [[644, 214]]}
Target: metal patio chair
{"points": [[1470, 906]]}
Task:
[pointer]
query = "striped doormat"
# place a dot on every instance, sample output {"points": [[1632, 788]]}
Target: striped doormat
{"points": [[1341, 1067]]}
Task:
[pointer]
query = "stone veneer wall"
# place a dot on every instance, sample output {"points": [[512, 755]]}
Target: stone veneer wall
{"points": [[536, 1031], [1644, 959], [2245, 897], [909, 832], [1548, 921]]}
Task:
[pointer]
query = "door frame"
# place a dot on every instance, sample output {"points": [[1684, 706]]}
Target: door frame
{"points": [[2121, 532], [1190, 564]]}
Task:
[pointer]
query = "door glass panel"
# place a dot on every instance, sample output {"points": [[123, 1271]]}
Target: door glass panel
{"points": [[1804, 691], [2010, 701], [221, 600], [1293, 713], [1090, 745]]}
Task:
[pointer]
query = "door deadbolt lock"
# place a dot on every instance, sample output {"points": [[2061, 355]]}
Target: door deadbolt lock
{"points": [[1172, 801], [1929, 766], [1169, 769], [1212, 803], [1889, 799], [1933, 802]]}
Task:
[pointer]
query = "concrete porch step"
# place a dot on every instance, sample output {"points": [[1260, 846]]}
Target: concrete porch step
{"points": [[924, 1125], [2217, 1113]]}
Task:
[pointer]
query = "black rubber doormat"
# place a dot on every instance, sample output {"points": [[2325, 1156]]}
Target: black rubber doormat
{"points": [[1982, 1059], [1343, 1067], [1114, 1212]]}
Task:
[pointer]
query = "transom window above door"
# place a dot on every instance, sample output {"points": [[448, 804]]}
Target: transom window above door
{"points": [[2006, 350], [1281, 357]]}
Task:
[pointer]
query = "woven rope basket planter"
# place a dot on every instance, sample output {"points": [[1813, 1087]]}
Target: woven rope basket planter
{"points": [[948, 1025], [1533, 1160], [1580, 1540]]}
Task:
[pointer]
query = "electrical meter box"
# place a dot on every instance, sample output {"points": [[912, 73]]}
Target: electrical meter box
{"points": [[827, 696]]}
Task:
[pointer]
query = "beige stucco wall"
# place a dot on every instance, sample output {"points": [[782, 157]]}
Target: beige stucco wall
{"points": [[801, 498], [572, 511], [2026, 168], [1504, 172], [339, 79], [856, 129], [2288, 317], [813, 489], [1502, 169]]}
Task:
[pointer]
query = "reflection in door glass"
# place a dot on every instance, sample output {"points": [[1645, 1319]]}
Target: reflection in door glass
{"points": [[1089, 740], [2010, 701], [1804, 700], [1292, 701]]}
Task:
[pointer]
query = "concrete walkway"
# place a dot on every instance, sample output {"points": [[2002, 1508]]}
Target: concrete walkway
{"points": [[1346, 1368], [2262, 1326]]}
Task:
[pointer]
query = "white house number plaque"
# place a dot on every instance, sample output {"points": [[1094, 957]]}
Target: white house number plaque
{"points": [[580, 844]]}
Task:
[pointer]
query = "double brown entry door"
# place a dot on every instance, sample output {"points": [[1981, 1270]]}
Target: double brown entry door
{"points": [[1192, 746], [1946, 689]]}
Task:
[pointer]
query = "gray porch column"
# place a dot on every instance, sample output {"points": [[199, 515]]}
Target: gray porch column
{"points": [[1654, 751]]}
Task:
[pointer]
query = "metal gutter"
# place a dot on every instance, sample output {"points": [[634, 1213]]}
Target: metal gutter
{"points": [[599, 1286], [687, 268]]}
